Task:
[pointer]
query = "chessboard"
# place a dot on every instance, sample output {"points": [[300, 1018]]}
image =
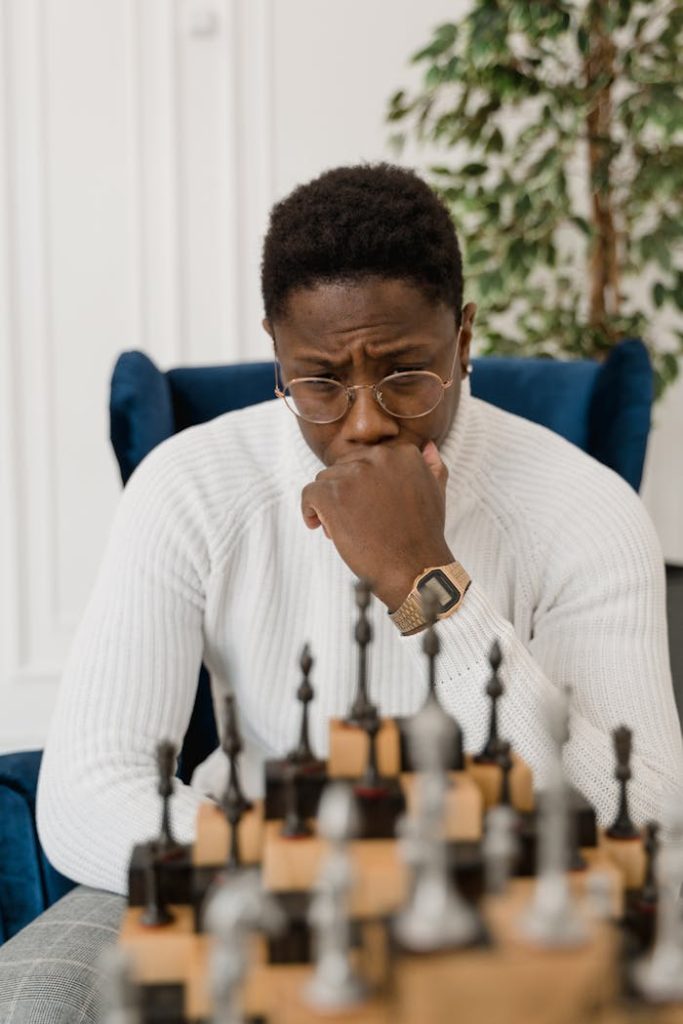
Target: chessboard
{"points": [[401, 880]]}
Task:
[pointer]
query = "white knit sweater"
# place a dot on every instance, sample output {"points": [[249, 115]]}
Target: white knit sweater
{"points": [[209, 558]]}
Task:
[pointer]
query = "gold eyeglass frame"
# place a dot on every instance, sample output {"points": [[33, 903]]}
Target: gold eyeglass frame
{"points": [[351, 389]]}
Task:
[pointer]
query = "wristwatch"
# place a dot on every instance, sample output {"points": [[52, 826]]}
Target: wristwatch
{"points": [[448, 583]]}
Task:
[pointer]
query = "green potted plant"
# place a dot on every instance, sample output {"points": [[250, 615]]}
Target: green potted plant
{"points": [[562, 128]]}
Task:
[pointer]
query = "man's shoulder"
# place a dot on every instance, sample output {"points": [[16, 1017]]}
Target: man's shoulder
{"points": [[545, 477], [210, 472]]}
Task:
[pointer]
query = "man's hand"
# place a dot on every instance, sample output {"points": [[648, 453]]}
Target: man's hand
{"points": [[384, 508]]}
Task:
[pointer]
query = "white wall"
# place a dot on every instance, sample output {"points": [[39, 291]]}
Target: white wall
{"points": [[142, 143]]}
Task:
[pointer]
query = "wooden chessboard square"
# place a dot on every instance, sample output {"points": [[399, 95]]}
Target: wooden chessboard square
{"points": [[464, 811], [213, 834], [349, 749], [160, 954], [488, 777]]}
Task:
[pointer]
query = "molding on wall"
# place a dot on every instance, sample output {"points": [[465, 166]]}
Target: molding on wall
{"points": [[257, 172], [11, 583]]}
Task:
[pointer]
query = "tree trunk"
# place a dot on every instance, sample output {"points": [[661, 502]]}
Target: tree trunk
{"points": [[603, 262]]}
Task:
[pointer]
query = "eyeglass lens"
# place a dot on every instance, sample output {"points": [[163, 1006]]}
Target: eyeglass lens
{"points": [[406, 395]]}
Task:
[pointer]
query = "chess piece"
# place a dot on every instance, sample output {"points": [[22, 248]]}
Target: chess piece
{"points": [[334, 985], [302, 753], [363, 635], [233, 808], [552, 921], [294, 825], [504, 760], [431, 645], [659, 976], [500, 847], [235, 907], [121, 1001], [371, 778], [166, 759], [651, 845], [231, 743], [155, 913], [623, 827], [494, 689], [435, 916]]}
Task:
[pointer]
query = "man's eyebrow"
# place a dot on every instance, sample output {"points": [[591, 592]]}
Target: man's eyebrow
{"points": [[382, 350]]}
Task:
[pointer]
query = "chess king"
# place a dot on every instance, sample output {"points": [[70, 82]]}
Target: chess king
{"points": [[237, 541]]}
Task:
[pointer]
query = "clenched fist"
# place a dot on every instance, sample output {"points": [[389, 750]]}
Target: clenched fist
{"points": [[384, 509]]}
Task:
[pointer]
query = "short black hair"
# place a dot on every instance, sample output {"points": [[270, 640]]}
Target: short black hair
{"points": [[356, 222]]}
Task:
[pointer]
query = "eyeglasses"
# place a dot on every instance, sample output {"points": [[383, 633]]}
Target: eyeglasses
{"points": [[407, 395]]}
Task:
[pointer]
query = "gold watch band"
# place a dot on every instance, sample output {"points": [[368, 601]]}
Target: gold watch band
{"points": [[409, 618]]}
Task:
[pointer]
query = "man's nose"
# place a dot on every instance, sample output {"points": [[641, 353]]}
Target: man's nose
{"points": [[366, 422]]}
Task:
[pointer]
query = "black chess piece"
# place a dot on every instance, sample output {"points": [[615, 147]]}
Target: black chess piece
{"points": [[623, 827], [302, 753], [231, 743], [371, 778], [431, 644], [494, 689], [166, 758], [156, 913], [233, 809], [651, 845], [294, 825], [505, 764], [363, 635]]}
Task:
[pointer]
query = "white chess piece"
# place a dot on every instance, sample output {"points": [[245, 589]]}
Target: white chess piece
{"points": [[122, 1006], [500, 848], [237, 906], [334, 984], [659, 976], [552, 920], [435, 915]]}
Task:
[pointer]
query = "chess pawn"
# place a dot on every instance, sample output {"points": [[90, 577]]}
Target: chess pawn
{"points": [[551, 920], [236, 907], [334, 985], [623, 827], [659, 976], [120, 997], [363, 635], [501, 847], [302, 753]]}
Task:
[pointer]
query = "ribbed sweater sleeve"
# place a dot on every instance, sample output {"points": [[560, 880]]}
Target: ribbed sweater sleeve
{"points": [[599, 628], [130, 680]]}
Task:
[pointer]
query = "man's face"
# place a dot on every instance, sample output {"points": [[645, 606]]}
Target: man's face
{"points": [[358, 333]]}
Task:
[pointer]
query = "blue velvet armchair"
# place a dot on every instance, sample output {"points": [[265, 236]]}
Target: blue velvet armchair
{"points": [[602, 408]]}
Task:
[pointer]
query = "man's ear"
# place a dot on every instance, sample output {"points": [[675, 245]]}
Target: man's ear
{"points": [[265, 323], [469, 312]]}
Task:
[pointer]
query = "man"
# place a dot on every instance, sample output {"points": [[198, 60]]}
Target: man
{"points": [[238, 540]]}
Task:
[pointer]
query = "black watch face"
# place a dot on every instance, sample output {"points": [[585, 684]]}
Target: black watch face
{"points": [[444, 590]]}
